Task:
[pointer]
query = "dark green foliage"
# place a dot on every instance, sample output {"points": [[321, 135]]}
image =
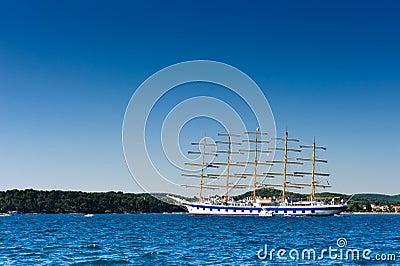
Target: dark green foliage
{"points": [[380, 199], [266, 192], [34, 201]]}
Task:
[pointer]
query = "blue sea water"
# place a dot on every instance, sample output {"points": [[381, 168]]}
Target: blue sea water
{"points": [[172, 239]]}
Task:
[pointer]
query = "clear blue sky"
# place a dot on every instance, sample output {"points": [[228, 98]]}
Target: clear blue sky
{"points": [[68, 69]]}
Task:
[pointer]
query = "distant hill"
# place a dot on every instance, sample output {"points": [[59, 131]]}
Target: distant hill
{"points": [[272, 192], [379, 198]]}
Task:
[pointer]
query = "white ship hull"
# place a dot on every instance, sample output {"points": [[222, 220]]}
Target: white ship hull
{"points": [[289, 210]]}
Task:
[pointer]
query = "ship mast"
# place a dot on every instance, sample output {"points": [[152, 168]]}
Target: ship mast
{"points": [[256, 150], [203, 166], [313, 160], [229, 162], [285, 184]]}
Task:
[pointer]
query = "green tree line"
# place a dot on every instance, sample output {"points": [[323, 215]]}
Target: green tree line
{"points": [[56, 201]]}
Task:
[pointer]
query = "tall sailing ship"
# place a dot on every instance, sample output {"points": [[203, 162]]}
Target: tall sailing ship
{"points": [[259, 206]]}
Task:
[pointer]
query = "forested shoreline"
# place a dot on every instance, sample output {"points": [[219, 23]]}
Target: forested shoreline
{"points": [[57, 201]]}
